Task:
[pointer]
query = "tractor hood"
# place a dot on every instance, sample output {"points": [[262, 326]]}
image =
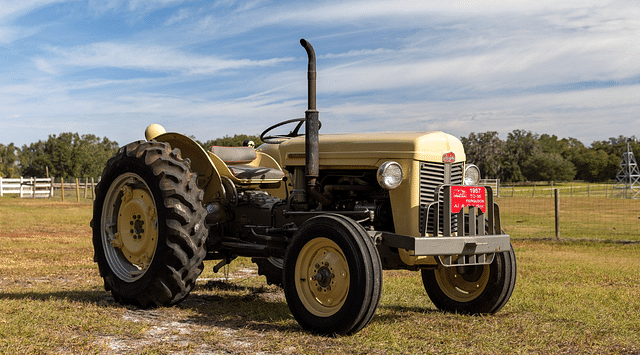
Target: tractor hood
{"points": [[369, 149]]}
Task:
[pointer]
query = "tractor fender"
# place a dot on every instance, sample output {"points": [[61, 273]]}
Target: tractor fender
{"points": [[208, 176]]}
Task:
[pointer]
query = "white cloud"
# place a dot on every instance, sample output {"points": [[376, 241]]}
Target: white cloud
{"points": [[458, 66], [140, 7], [564, 114], [10, 9], [8, 34], [147, 57], [181, 15]]}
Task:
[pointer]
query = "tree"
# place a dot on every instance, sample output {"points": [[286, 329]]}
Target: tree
{"points": [[529, 156], [67, 155], [486, 151], [591, 165], [33, 159], [606, 168], [548, 167], [8, 161], [519, 147], [228, 141]]}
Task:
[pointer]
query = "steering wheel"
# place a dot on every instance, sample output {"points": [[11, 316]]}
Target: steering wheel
{"points": [[279, 138]]}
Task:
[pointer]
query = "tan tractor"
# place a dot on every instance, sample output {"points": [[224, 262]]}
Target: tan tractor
{"points": [[321, 215]]}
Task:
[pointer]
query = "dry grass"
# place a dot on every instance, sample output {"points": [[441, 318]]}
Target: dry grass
{"points": [[570, 298]]}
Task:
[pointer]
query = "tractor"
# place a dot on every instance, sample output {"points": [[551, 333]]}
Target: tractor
{"points": [[321, 215]]}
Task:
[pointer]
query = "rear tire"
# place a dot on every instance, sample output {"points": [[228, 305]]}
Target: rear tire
{"points": [[148, 225], [333, 276], [472, 289]]}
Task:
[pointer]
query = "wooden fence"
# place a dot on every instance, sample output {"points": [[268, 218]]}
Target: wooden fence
{"points": [[83, 188], [48, 187], [27, 187]]}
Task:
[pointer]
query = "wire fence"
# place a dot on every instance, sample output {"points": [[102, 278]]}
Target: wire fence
{"points": [[585, 211]]}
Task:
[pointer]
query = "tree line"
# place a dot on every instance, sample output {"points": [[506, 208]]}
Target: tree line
{"points": [[70, 155], [66, 155], [527, 156], [523, 156]]}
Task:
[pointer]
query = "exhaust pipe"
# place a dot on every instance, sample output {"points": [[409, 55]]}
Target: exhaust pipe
{"points": [[312, 150]]}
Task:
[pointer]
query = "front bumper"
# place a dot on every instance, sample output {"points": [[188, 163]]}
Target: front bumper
{"points": [[464, 229], [448, 251], [433, 246]]}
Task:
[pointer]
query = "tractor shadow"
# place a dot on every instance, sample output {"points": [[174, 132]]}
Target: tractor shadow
{"points": [[213, 303], [236, 306]]}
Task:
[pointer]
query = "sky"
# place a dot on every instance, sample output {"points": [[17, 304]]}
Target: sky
{"points": [[214, 68]]}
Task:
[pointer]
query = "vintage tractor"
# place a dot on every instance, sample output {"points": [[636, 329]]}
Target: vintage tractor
{"points": [[321, 216]]}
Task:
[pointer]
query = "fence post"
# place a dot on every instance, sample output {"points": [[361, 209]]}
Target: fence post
{"points": [[77, 190], [93, 190], [1, 189], [556, 194], [62, 187]]}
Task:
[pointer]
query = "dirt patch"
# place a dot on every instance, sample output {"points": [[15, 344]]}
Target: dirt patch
{"points": [[209, 321]]}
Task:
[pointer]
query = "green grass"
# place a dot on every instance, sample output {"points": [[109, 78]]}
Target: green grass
{"points": [[581, 217], [570, 297]]}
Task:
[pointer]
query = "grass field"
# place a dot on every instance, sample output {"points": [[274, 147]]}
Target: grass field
{"points": [[598, 218], [571, 297]]}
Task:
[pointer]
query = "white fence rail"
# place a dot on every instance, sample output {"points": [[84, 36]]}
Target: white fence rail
{"points": [[494, 183], [27, 187]]}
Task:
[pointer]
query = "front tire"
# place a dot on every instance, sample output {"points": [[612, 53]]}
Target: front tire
{"points": [[472, 289], [271, 269], [148, 225], [333, 276]]}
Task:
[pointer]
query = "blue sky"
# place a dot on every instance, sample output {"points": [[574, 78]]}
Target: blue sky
{"points": [[215, 68]]}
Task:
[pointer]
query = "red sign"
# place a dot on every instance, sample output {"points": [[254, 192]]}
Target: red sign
{"points": [[449, 157], [464, 196]]}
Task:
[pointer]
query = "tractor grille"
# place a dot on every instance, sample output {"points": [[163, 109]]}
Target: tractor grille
{"points": [[432, 176]]}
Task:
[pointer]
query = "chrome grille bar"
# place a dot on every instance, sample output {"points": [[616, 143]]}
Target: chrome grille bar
{"points": [[432, 177]]}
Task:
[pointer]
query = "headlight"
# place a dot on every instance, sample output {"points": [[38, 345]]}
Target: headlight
{"points": [[390, 175], [471, 175]]}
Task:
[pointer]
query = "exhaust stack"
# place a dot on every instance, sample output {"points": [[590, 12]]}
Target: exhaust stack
{"points": [[312, 150]]}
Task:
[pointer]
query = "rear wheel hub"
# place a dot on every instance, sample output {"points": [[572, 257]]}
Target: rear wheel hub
{"points": [[136, 219]]}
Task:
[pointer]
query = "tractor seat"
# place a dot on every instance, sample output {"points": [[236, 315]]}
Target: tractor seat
{"points": [[239, 159]]}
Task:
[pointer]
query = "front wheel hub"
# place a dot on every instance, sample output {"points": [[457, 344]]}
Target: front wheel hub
{"points": [[323, 277], [463, 285]]}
